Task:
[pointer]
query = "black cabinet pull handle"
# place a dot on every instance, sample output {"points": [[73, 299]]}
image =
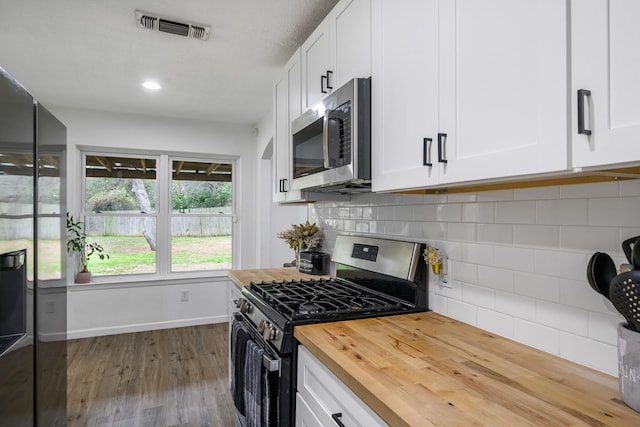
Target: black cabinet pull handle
{"points": [[329, 72], [442, 155], [426, 152], [336, 417], [282, 184], [322, 80], [583, 94]]}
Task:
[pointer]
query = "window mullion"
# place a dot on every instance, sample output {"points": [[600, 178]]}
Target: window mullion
{"points": [[163, 254]]}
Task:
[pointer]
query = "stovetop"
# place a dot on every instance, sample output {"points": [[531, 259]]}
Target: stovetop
{"points": [[324, 298]]}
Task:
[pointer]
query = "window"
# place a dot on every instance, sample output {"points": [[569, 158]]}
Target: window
{"points": [[158, 214]]}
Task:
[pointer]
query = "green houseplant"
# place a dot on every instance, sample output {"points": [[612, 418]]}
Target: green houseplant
{"points": [[77, 244]]}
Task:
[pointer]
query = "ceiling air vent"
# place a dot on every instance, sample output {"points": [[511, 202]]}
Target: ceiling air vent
{"points": [[156, 23]]}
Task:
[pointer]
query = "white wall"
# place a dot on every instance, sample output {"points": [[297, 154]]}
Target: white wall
{"points": [[517, 257], [274, 217], [125, 307]]}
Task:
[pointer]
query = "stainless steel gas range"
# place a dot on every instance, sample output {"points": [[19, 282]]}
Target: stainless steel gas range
{"points": [[374, 277]]}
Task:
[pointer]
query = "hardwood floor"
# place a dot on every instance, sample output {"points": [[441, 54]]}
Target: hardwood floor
{"points": [[171, 377]]}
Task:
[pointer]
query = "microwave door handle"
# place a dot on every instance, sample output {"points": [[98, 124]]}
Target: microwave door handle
{"points": [[325, 139]]}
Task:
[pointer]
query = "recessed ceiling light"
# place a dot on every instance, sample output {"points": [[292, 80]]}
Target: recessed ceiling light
{"points": [[151, 85]]}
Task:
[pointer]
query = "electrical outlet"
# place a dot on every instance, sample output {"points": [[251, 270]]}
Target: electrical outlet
{"points": [[443, 277], [184, 295]]}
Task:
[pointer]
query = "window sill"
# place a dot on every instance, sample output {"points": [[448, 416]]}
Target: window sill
{"points": [[135, 281]]}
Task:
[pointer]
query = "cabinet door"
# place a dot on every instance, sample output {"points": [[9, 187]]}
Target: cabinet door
{"points": [[606, 61], [286, 108], [304, 415], [350, 30], [404, 94], [316, 63], [503, 88]]}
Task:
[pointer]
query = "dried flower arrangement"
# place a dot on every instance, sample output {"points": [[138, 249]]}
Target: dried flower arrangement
{"points": [[432, 257], [303, 236]]}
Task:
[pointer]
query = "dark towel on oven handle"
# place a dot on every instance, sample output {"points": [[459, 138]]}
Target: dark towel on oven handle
{"points": [[239, 340], [253, 393]]}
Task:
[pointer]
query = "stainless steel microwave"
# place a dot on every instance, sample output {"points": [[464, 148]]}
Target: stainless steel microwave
{"points": [[331, 149]]}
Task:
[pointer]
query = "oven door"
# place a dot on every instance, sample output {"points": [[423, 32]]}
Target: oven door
{"points": [[258, 387]]}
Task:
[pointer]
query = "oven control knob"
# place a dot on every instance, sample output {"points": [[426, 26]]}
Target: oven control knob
{"points": [[261, 325], [239, 302], [269, 332], [245, 307]]}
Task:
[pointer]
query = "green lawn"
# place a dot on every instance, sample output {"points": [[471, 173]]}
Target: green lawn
{"points": [[129, 255]]}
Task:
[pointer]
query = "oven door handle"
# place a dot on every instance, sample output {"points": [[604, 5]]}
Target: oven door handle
{"points": [[270, 364]]}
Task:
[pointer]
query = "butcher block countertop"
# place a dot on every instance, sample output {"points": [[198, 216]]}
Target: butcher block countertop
{"points": [[244, 277], [427, 369]]}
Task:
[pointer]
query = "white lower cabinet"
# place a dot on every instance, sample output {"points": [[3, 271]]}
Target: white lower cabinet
{"points": [[323, 400]]}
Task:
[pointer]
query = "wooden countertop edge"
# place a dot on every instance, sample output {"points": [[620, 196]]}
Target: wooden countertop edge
{"points": [[601, 406]]}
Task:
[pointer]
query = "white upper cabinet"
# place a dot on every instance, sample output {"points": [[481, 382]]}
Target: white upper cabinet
{"points": [[485, 82], [287, 106], [503, 88], [337, 51], [605, 68], [404, 91]]}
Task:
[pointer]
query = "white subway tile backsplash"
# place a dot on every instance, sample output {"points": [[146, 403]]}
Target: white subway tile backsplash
{"points": [[567, 265], [515, 305], [385, 212], [461, 197], [583, 191], [434, 230], [467, 313], [563, 318], [523, 212], [537, 193], [536, 286], [449, 212], [578, 293], [495, 196], [355, 213], [461, 232], [495, 233], [478, 212], [604, 327], [537, 235], [517, 258], [477, 254], [362, 227], [368, 212], [536, 335], [598, 355], [462, 271], [630, 187], [423, 212], [614, 212], [477, 295], [600, 239], [562, 212], [495, 322], [402, 212], [438, 303], [495, 278]]}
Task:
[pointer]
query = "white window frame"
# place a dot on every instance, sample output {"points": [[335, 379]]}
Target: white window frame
{"points": [[163, 212]]}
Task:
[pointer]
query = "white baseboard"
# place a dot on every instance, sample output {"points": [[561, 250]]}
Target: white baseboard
{"points": [[140, 327]]}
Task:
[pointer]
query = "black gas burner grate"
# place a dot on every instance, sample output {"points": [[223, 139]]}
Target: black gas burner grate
{"points": [[305, 299]]}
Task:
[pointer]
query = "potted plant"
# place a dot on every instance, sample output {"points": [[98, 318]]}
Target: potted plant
{"points": [[77, 243], [301, 237]]}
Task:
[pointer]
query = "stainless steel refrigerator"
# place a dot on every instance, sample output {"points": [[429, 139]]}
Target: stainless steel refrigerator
{"points": [[32, 257]]}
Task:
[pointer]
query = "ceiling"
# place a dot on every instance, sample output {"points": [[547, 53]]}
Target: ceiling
{"points": [[90, 54]]}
